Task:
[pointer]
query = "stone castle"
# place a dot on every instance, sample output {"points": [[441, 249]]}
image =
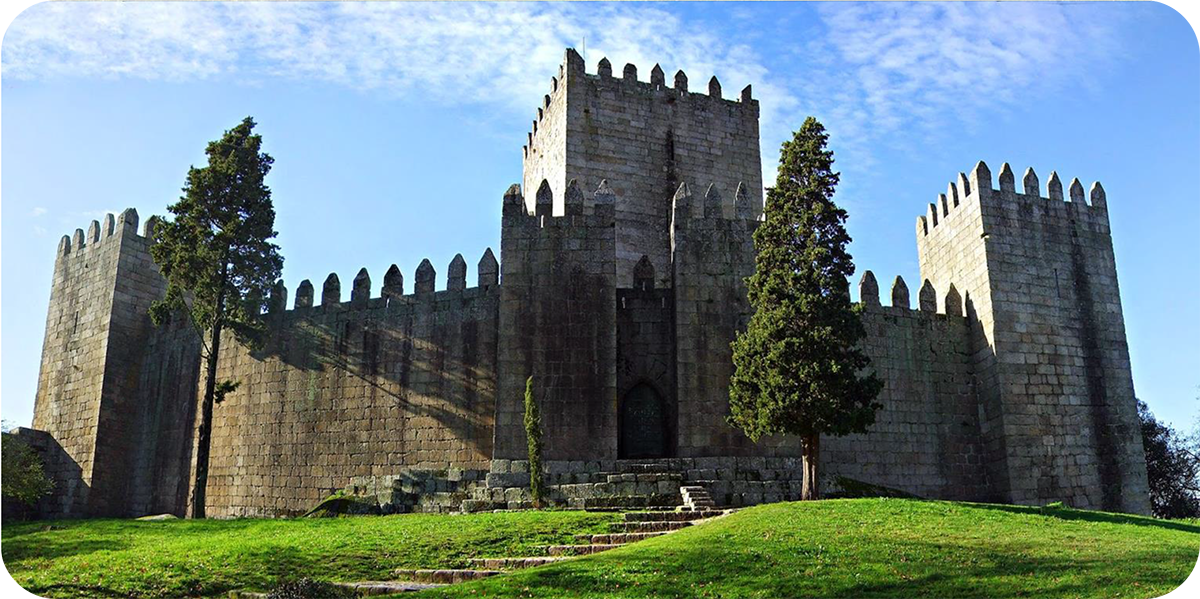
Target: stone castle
{"points": [[619, 288]]}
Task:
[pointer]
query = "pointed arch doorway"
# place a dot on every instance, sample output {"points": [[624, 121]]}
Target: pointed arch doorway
{"points": [[643, 424]]}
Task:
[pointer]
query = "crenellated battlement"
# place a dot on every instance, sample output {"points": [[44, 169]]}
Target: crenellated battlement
{"points": [[714, 205], [975, 190], [951, 301], [98, 233], [628, 83], [391, 293]]}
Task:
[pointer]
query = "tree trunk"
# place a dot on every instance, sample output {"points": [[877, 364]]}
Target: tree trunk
{"points": [[204, 435], [811, 452]]}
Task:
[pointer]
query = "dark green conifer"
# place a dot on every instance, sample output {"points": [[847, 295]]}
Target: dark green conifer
{"points": [[219, 263], [533, 437], [798, 367]]}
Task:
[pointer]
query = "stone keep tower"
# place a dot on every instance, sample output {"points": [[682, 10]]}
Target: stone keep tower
{"points": [[1057, 412], [620, 290], [645, 139]]}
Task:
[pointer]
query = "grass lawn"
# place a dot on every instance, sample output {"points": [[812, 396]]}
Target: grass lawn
{"points": [[879, 548], [182, 558], [835, 548]]}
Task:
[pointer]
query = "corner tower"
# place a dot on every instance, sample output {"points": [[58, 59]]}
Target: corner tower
{"points": [[96, 327], [645, 138], [1039, 282]]}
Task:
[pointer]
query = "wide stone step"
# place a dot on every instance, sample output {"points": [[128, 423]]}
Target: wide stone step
{"points": [[648, 526], [625, 501], [616, 538], [649, 466], [564, 550], [387, 587], [644, 477], [444, 576], [360, 588], [514, 563], [671, 516]]}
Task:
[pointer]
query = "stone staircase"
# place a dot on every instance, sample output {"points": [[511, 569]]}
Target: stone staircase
{"points": [[634, 527], [696, 497]]}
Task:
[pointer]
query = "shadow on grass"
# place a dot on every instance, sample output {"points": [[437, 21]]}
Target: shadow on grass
{"points": [[17, 549], [74, 590], [1090, 516]]}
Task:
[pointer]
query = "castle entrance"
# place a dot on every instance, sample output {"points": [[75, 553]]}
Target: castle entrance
{"points": [[643, 424]]}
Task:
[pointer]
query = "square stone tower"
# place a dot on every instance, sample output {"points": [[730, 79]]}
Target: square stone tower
{"points": [[96, 327], [1039, 281], [645, 139], [598, 255]]}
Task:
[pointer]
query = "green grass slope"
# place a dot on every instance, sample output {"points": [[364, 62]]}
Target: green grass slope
{"points": [[208, 558], [879, 548]]}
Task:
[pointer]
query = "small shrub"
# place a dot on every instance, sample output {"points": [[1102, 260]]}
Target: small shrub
{"points": [[23, 477], [307, 588], [1172, 467]]}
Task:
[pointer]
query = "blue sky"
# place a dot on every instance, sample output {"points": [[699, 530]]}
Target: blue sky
{"points": [[396, 128]]}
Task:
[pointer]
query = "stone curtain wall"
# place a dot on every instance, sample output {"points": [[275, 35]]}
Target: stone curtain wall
{"points": [[645, 138], [166, 403], [1060, 417], [558, 324], [91, 354], [362, 388], [925, 439]]}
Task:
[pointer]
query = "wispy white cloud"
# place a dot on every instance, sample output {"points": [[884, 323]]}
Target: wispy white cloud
{"points": [[473, 52], [37, 211], [937, 67], [874, 72]]}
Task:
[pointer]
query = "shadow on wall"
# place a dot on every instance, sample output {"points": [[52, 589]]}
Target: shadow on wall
{"points": [[69, 497], [168, 393], [394, 381]]}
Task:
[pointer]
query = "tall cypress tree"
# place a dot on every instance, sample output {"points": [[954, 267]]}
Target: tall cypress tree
{"points": [[533, 438], [798, 367], [219, 263]]}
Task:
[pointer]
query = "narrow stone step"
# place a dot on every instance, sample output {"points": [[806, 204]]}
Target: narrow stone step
{"points": [[671, 516], [514, 563], [648, 525], [444, 576], [619, 537], [563, 550]]}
